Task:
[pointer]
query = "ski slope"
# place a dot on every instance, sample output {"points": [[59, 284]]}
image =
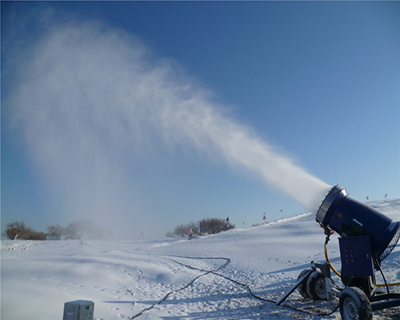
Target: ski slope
{"points": [[237, 274]]}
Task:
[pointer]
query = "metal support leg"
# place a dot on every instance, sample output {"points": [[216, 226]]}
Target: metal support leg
{"points": [[294, 288]]}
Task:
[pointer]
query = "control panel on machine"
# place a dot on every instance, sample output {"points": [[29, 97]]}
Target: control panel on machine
{"points": [[356, 256]]}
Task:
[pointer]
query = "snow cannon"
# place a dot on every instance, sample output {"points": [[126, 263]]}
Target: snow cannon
{"points": [[350, 217], [366, 238]]}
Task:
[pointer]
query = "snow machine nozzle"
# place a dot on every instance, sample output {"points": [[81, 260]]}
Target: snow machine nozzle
{"points": [[350, 217]]}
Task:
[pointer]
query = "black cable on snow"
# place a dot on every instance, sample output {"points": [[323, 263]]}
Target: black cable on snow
{"points": [[189, 284], [207, 272]]}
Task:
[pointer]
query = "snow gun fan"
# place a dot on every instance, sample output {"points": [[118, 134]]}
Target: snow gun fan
{"points": [[352, 218], [366, 238]]}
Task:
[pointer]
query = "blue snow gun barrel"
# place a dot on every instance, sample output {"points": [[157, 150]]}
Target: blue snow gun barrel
{"points": [[350, 217]]}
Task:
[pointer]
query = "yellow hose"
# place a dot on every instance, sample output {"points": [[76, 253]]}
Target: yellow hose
{"points": [[338, 274], [329, 261]]}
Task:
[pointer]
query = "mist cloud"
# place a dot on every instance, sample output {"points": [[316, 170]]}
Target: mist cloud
{"points": [[89, 101]]}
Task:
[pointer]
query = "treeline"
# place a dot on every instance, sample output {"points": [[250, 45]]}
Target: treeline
{"points": [[207, 226], [75, 230]]}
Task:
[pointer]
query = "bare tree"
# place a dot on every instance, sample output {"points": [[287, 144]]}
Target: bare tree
{"points": [[84, 227], [56, 231], [16, 230]]}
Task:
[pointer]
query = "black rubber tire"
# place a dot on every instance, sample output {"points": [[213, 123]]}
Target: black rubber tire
{"points": [[316, 288], [302, 289], [354, 304]]}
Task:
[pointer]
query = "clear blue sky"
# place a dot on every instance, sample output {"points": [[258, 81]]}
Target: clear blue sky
{"points": [[95, 100]]}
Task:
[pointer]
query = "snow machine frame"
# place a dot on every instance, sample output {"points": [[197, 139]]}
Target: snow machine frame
{"points": [[366, 238]]}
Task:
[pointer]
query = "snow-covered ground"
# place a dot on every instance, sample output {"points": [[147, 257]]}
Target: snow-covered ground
{"points": [[209, 277]]}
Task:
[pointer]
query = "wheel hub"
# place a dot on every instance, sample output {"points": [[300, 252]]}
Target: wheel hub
{"points": [[350, 309], [320, 288]]}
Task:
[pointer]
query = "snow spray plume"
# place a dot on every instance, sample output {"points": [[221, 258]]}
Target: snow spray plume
{"points": [[87, 99]]}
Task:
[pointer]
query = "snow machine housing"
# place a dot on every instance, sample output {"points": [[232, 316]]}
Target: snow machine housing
{"points": [[349, 217]]}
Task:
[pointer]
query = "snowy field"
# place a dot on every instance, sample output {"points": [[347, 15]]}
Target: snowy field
{"points": [[222, 276]]}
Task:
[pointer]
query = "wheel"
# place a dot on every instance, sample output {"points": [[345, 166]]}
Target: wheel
{"points": [[316, 288], [302, 289], [354, 304]]}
